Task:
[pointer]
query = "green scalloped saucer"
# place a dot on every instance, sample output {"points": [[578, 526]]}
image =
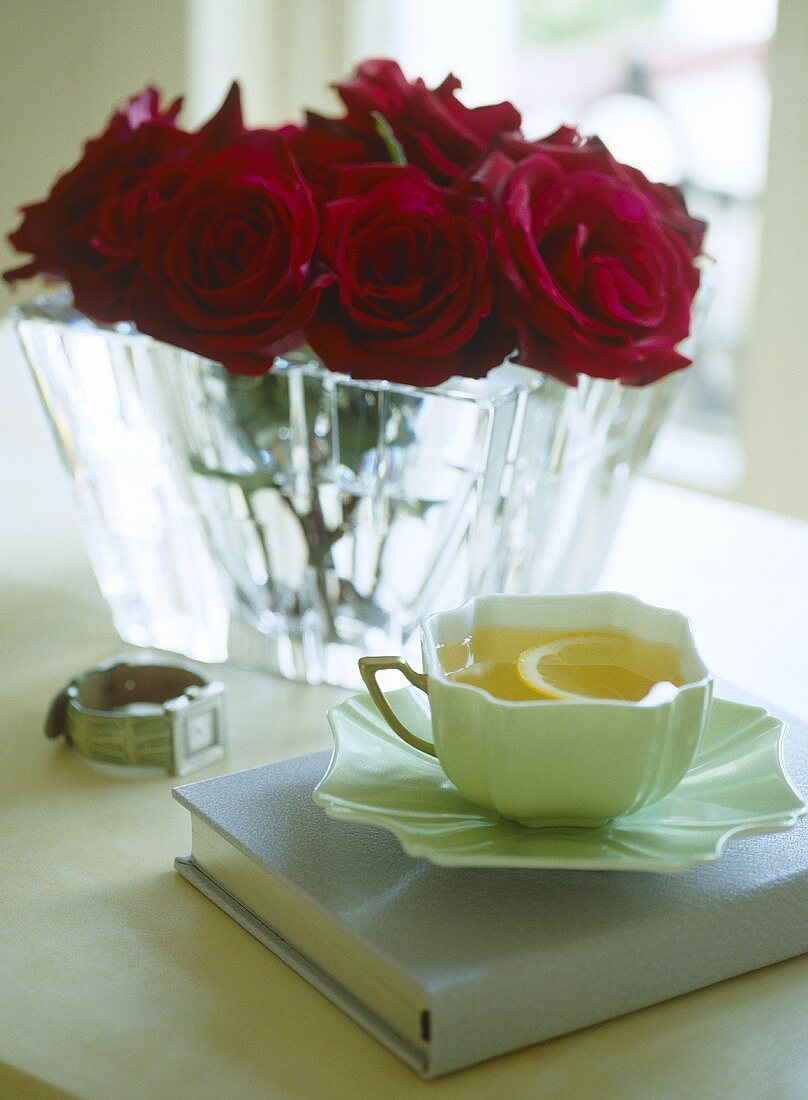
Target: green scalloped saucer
{"points": [[736, 785]]}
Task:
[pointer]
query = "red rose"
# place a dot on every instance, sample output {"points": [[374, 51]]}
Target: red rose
{"points": [[322, 147], [437, 132], [88, 229], [415, 280], [52, 229], [106, 254], [517, 147], [226, 267], [599, 260]]}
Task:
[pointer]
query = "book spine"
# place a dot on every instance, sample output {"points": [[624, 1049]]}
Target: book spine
{"points": [[414, 1057]]}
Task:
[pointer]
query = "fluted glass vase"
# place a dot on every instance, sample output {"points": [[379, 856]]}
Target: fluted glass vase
{"points": [[302, 519]]}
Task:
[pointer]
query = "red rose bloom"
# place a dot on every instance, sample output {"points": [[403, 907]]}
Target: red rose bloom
{"points": [[106, 257], [415, 280], [437, 132], [516, 147], [88, 229], [226, 268], [599, 260], [322, 149], [55, 230]]}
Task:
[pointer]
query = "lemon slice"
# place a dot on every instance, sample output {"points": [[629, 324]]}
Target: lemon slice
{"points": [[589, 666]]}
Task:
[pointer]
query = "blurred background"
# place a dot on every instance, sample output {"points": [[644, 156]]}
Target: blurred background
{"points": [[708, 94]]}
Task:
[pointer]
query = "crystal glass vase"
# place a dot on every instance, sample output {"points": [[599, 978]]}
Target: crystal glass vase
{"points": [[302, 519]]}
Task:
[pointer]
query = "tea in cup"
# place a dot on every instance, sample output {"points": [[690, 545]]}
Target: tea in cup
{"points": [[558, 710]]}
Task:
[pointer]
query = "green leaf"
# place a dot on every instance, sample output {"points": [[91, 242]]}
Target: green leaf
{"points": [[385, 132]]}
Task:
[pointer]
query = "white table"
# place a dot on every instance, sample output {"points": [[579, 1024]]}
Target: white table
{"points": [[118, 980]]}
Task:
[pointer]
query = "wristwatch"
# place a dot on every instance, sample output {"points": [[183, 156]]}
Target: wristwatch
{"points": [[147, 715]]}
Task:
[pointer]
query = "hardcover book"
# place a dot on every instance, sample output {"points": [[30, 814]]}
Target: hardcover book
{"points": [[450, 966]]}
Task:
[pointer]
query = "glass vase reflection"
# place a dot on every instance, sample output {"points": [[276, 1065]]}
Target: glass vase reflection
{"points": [[331, 515]]}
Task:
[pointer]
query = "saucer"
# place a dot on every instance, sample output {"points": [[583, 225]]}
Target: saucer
{"points": [[735, 785]]}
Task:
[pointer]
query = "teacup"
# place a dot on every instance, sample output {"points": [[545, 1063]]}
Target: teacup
{"points": [[547, 761]]}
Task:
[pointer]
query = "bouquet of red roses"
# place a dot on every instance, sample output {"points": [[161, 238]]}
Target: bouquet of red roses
{"points": [[411, 239]]}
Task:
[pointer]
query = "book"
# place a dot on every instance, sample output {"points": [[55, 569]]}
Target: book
{"points": [[451, 966]]}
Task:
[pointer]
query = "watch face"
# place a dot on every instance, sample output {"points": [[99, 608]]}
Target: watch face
{"points": [[200, 733], [198, 728]]}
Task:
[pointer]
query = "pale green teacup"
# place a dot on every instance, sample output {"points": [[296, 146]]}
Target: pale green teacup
{"points": [[556, 762]]}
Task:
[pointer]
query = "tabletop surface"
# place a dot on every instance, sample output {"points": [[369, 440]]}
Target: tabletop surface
{"points": [[118, 979]]}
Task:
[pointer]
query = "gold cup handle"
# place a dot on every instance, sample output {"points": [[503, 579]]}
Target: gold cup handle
{"points": [[369, 667]]}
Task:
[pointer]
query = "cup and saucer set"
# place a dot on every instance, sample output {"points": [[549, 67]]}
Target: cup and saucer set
{"points": [[562, 732]]}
